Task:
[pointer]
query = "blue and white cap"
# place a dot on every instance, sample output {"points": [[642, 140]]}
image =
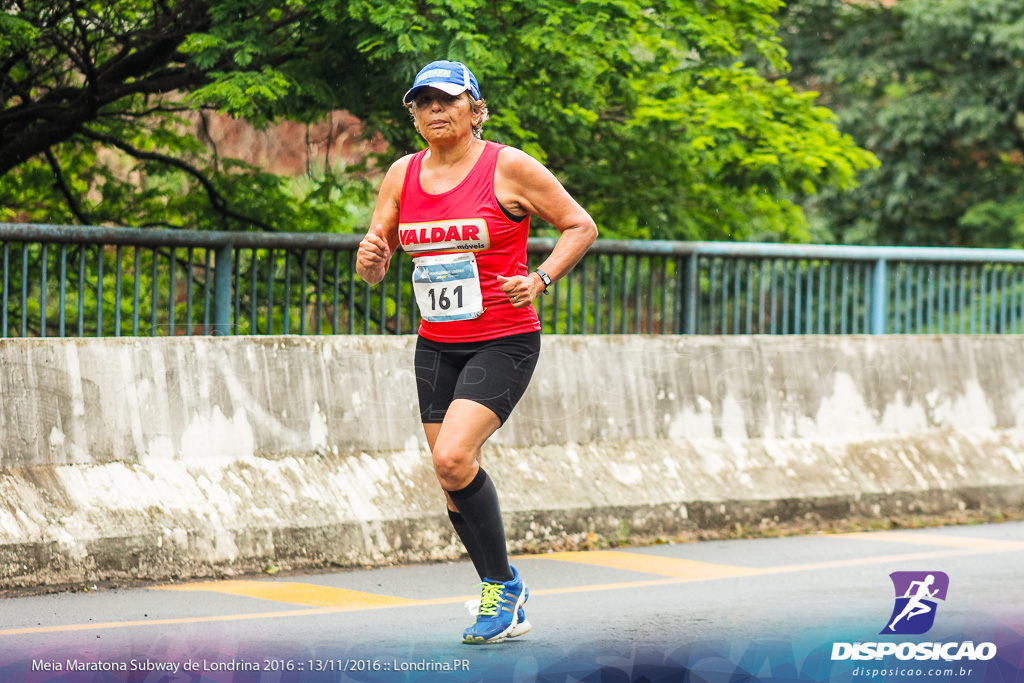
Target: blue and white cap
{"points": [[453, 78]]}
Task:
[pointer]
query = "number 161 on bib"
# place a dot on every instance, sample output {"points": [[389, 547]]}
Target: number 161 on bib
{"points": [[447, 287]]}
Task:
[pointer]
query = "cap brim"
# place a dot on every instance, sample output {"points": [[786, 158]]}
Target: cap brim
{"points": [[450, 88]]}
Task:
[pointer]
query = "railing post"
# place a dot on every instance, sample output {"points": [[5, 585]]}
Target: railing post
{"points": [[879, 292], [690, 287], [222, 290]]}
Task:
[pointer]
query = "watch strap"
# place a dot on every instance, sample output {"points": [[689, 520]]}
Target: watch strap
{"points": [[545, 278]]}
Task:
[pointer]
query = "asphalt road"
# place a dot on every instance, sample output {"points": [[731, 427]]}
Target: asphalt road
{"points": [[730, 611]]}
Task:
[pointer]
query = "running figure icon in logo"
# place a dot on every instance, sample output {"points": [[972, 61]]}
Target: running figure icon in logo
{"points": [[916, 593]]}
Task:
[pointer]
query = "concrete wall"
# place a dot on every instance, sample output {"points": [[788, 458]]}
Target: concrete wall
{"points": [[157, 458]]}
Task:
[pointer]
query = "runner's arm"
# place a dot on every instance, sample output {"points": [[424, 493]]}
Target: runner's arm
{"points": [[524, 185], [374, 255]]}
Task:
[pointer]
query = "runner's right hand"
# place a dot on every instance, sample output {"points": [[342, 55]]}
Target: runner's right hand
{"points": [[374, 252]]}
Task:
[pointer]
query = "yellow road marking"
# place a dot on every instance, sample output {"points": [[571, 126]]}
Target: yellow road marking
{"points": [[982, 544], [857, 561], [296, 594], [677, 571], [690, 570], [165, 622], [684, 570]]}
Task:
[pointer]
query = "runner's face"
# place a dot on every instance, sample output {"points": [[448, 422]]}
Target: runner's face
{"points": [[442, 117]]}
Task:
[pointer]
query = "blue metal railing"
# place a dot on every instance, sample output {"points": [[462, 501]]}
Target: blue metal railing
{"points": [[818, 289], [95, 281]]}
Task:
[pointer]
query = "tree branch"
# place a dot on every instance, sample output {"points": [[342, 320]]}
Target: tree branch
{"points": [[88, 67], [286, 20], [63, 47], [58, 175], [156, 45], [204, 135], [218, 201], [31, 127], [144, 113], [5, 76]]}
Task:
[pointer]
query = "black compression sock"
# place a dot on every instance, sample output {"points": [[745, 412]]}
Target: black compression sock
{"points": [[476, 553], [478, 505]]}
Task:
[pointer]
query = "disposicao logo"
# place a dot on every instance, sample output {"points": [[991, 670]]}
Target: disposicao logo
{"points": [[913, 613], [916, 595]]}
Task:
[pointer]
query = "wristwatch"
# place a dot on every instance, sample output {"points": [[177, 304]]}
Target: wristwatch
{"points": [[545, 278]]}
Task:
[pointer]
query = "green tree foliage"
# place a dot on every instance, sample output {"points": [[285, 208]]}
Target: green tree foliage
{"points": [[935, 88], [646, 111]]}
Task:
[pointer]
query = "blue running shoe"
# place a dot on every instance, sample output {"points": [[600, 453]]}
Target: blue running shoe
{"points": [[499, 611], [522, 623]]}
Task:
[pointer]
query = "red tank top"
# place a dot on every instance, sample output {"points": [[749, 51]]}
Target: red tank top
{"points": [[468, 218]]}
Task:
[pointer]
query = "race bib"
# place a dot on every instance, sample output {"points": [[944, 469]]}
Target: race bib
{"points": [[447, 287]]}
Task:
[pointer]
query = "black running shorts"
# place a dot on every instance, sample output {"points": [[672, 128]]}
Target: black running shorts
{"points": [[493, 373]]}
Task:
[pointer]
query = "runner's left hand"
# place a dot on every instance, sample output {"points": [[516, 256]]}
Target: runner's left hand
{"points": [[520, 290]]}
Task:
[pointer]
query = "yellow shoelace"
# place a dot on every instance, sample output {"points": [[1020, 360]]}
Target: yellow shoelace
{"points": [[490, 598]]}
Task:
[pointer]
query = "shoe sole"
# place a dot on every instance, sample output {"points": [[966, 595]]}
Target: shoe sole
{"points": [[507, 633], [519, 629]]}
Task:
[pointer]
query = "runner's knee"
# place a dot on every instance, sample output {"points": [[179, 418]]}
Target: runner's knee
{"points": [[455, 467]]}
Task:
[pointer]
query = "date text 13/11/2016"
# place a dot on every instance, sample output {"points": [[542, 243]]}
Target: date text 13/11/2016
{"points": [[204, 665]]}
